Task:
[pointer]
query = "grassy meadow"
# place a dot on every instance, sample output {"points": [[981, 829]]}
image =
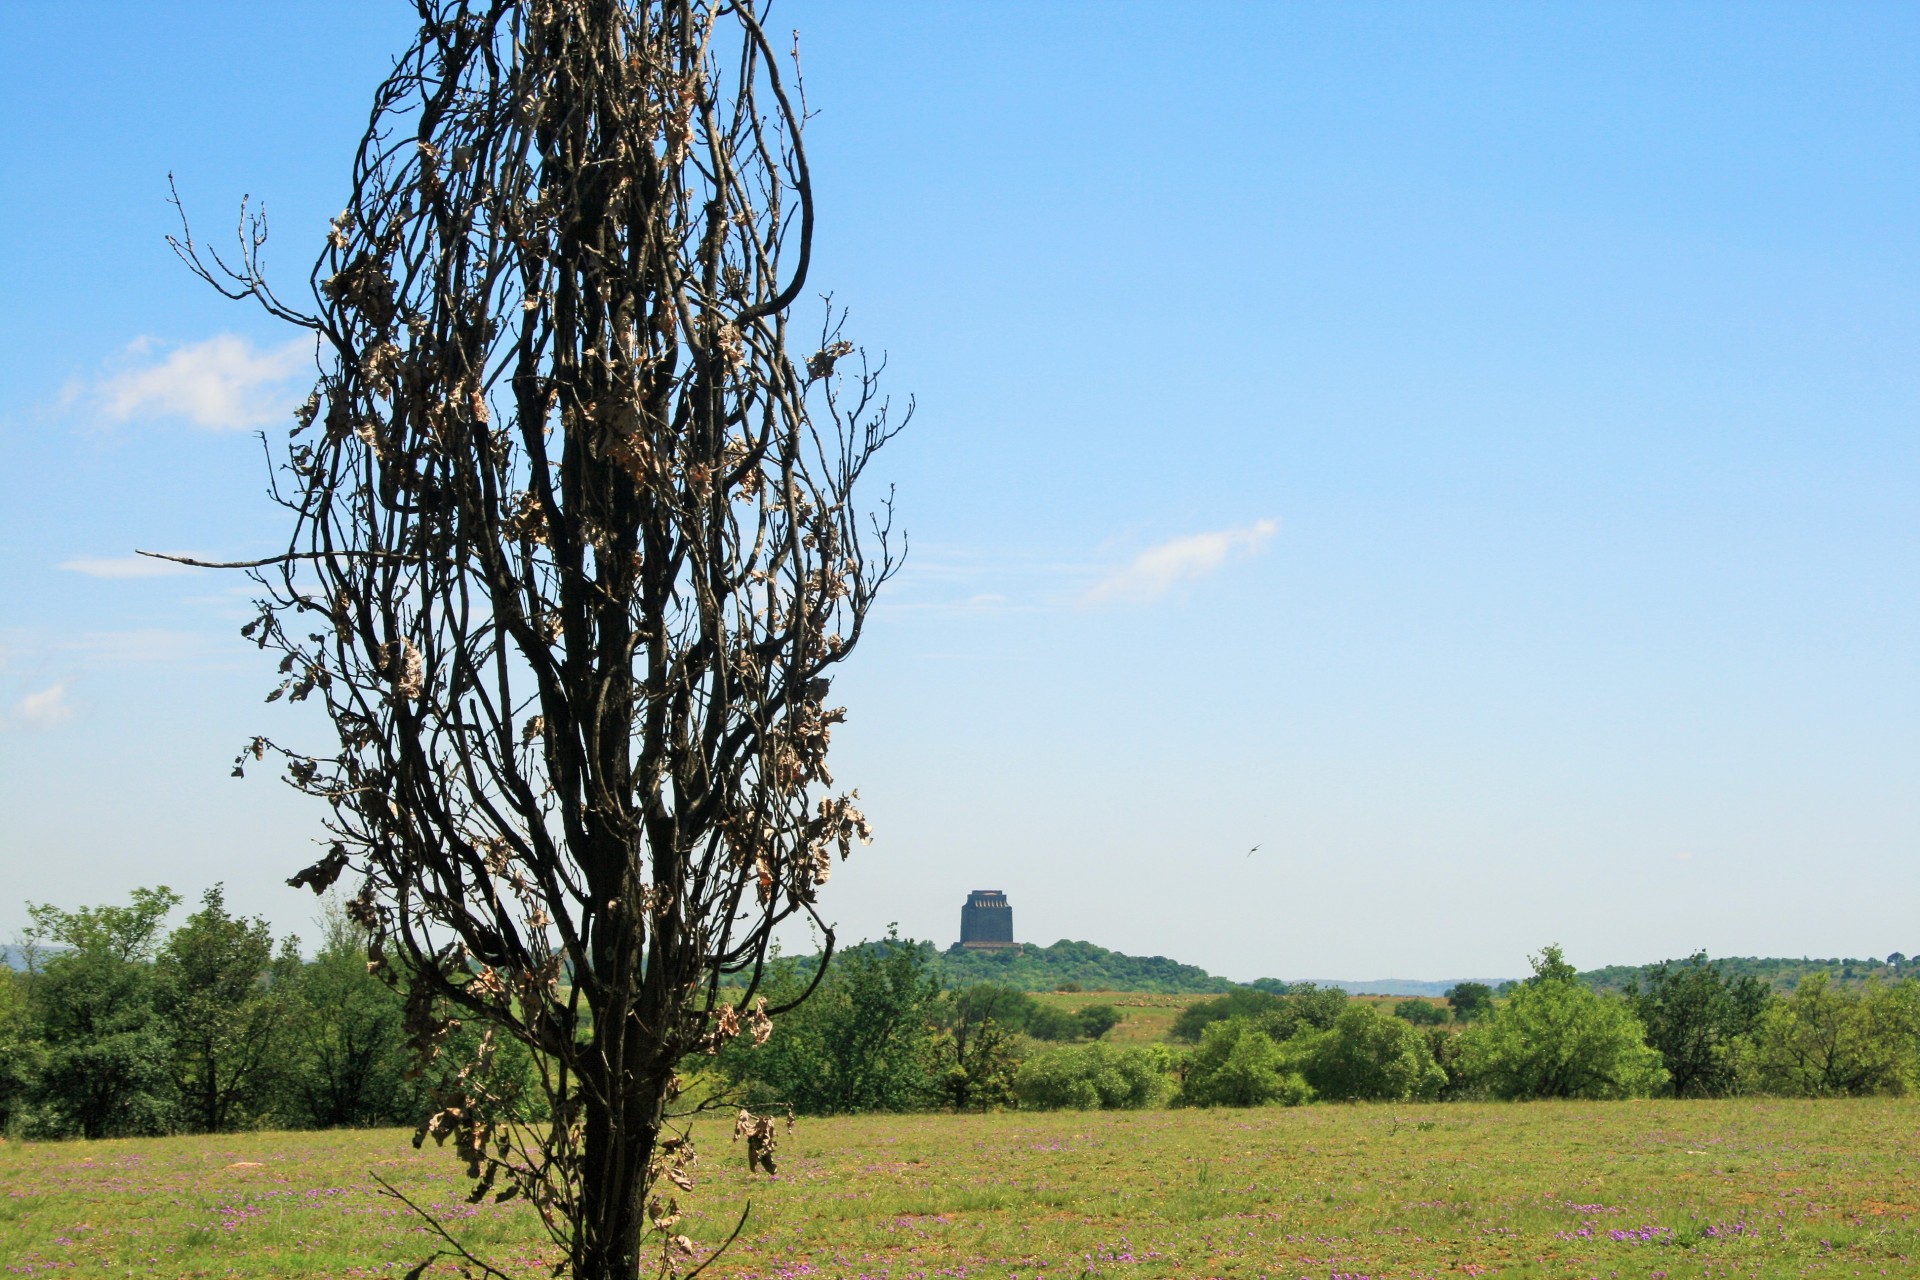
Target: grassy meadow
{"points": [[1145, 1018], [1638, 1189]]}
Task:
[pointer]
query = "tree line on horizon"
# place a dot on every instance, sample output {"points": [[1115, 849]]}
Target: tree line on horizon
{"points": [[1089, 967], [118, 1026]]}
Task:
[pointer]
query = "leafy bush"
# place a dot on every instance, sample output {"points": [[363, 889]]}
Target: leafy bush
{"points": [[1700, 1019], [228, 1023], [1095, 1076], [865, 1041], [21, 1052], [1302, 1007], [1470, 1000], [1421, 1013], [978, 1043], [1825, 1040], [1239, 1065], [1245, 1003], [350, 1061], [1098, 1019], [1050, 1022], [1556, 1038], [1367, 1055], [107, 1062]]}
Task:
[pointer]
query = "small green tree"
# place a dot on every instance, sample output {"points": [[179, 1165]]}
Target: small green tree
{"points": [[1239, 1065], [105, 1072], [225, 1012], [21, 1052], [1470, 1000], [863, 1042], [1555, 1038], [1367, 1055], [1443, 1044], [1700, 1020], [978, 1045], [1825, 1040], [1421, 1013], [1050, 1022], [350, 1065], [1098, 1019]]}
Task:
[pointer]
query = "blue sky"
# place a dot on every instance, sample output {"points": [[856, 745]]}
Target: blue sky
{"points": [[1472, 453]]}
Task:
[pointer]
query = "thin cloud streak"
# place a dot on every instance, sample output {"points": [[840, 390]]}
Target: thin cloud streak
{"points": [[223, 383], [1159, 569], [125, 567], [115, 650]]}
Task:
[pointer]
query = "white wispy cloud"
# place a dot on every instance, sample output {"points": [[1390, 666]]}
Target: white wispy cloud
{"points": [[1159, 569], [125, 567], [140, 647], [224, 383], [45, 709], [41, 656]]}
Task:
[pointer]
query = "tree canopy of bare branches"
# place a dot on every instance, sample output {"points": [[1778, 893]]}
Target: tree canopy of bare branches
{"points": [[575, 552]]}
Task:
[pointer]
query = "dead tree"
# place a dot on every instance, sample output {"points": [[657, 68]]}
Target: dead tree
{"points": [[574, 555]]}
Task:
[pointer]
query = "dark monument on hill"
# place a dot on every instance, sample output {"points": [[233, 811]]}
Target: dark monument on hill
{"points": [[986, 922]]}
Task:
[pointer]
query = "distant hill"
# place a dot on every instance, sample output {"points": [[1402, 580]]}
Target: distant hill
{"points": [[1780, 973], [12, 957], [1092, 968], [1035, 968], [1384, 986]]}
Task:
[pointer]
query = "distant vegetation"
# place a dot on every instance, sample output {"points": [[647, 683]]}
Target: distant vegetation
{"points": [[1091, 968], [120, 1027], [1779, 973], [1064, 966]]}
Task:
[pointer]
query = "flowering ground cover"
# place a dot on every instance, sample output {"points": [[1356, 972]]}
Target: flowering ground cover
{"points": [[1649, 1190]]}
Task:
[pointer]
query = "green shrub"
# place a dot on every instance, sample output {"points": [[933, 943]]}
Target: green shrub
{"points": [[1302, 1006], [1556, 1038], [1239, 1065], [867, 1040], [1470, 1001], [1367, 1055], [1421, 1013], [1826, 1041], [1095, 1076], [1048, 1022], [1701, 1020]]}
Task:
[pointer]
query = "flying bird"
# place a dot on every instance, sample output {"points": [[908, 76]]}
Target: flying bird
{"points": [[1253, 851]]}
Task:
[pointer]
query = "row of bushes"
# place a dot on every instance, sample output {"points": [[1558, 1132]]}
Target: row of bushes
{"points": [[1685, 1030], [882, 1036]]}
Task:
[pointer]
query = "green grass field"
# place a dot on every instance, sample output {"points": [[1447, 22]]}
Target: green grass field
{"points": [[1644, 1190], [1145, 1018]]}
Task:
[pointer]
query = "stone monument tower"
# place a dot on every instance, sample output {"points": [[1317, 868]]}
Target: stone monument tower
{"points": [[986, 921]]}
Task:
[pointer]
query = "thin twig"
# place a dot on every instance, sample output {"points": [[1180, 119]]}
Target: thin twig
{"points": [[726, 1244], [444, 1234]]}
